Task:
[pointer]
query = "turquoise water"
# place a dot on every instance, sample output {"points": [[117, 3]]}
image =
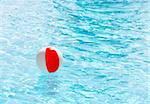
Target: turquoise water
{"points": [[105, 45]]}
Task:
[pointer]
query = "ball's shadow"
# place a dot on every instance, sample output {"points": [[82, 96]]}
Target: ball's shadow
{"points": [[47, 84]]}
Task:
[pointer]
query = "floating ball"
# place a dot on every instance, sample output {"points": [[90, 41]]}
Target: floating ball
{"points": [[49, 58]]}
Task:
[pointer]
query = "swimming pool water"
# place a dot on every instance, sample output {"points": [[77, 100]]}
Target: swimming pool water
{"points": [[105, 45]]}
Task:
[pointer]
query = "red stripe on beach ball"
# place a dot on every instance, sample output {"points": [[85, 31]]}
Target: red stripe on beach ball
{"points": [[52, 60]]}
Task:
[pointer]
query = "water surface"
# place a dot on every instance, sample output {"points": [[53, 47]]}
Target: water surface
{"points": [[105, 45]]}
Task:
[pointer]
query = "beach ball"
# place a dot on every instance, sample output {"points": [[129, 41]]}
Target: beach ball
{"points": [[49, 58]]}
